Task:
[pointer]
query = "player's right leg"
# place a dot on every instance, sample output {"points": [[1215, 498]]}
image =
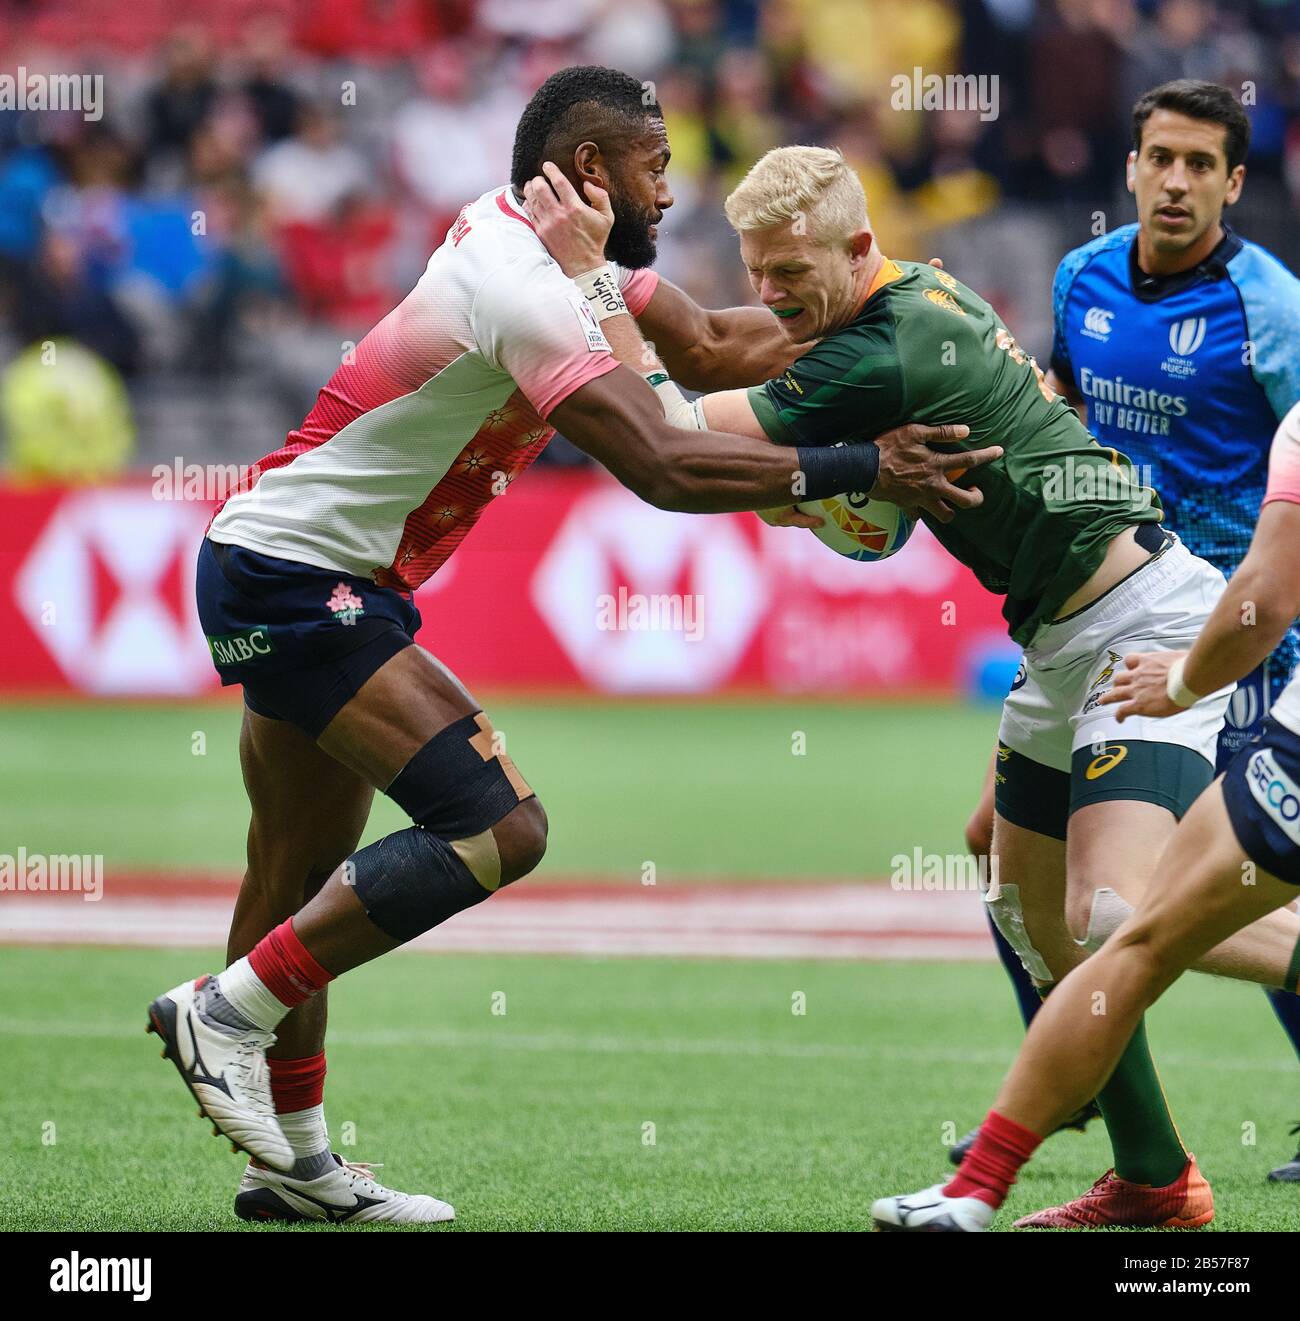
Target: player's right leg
{"points": [[334, 655], [1220, 872], [415, 732], [979, 840]]}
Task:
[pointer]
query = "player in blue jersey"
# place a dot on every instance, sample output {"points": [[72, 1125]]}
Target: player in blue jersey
{"points": [[1179, 342]]}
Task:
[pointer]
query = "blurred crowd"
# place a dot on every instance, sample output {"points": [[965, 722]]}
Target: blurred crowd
{"points": [[266, 182]]}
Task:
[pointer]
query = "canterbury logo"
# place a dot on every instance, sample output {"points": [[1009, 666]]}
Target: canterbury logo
{"points": [[1185, 336], [1109, 759], [1097, 319]]}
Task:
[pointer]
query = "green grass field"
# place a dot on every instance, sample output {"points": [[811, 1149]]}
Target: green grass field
{"points": [[538, 1118], [705, 789]]}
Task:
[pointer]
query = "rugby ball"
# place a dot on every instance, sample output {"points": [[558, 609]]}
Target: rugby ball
{"points": [[859, 527]]}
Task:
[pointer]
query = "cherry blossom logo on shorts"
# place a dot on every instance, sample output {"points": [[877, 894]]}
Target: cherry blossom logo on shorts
{"points": [[345, 605]]}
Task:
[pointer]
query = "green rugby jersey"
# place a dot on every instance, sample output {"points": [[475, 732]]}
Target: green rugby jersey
{"points": [[924, 348]]}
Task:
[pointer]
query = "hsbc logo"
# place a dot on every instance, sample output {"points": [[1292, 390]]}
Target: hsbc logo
{"points": [[1185, 337], [612, 548], [1096, 323], [108, 589]]}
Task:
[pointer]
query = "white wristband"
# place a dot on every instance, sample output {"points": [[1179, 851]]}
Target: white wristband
{"points": [[678, 410], [600, 289], [1175, 689]]}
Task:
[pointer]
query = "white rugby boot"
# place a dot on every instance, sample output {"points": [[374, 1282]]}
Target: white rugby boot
{"points": [[346, 1194], [931, 1212], [225, 1069]]}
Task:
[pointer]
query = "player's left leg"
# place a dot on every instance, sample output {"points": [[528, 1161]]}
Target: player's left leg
{"points": [[1086, 1026], [979, 840], [307, 812]]}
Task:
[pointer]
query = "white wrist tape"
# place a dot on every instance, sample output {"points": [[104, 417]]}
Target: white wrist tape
{"points": [[600, 289], [680, 412], [1176, 690]]}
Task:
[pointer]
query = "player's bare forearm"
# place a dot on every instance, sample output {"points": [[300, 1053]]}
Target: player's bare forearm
{"points": [[617, 419], [715, 350]]}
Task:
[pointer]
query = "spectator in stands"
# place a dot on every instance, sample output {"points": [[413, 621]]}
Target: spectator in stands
{"points": [[184, 96], [306, 176], [264, 84], [450, 143], [58, 300]]}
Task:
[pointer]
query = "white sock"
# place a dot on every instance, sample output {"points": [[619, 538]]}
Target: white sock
{"points": [[250, 996], [306, 1131]]}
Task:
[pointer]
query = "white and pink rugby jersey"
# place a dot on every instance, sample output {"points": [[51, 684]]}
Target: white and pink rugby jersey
{"points": [[1284, 484], [438, 409]]}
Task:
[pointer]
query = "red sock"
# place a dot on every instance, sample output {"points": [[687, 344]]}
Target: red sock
{"points": [[297, 1084], [285, 968], [992, 1163]]}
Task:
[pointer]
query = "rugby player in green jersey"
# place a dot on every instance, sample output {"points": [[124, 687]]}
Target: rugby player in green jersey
{"points": [[1065, 532]]}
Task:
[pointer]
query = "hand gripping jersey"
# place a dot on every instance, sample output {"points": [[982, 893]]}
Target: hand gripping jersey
{"points": [[1189, 375], [438, 409], [924, 348]]}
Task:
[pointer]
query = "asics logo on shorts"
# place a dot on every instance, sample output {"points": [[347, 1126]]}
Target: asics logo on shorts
{"points": [[1107, 761], [1276, 792]]}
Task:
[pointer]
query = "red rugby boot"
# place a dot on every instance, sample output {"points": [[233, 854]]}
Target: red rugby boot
{"points": [[1184, 1204]]}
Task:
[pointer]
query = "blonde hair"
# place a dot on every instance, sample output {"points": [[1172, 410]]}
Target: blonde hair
{"points": [[812, 184]]}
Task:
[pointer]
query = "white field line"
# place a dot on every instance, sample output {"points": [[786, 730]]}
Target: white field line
{"points": [[755, 921], [547, 1042]]}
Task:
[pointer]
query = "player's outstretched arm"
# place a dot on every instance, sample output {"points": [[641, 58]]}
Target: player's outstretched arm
{"points": [[617, 419], [910, 473], [900, 466]]}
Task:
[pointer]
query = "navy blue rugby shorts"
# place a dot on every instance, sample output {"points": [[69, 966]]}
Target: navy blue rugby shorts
{"points": [[301, 639]]}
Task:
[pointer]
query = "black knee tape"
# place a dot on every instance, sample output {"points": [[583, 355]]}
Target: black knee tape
{"points": [[457, 785], [1030, 795], [410, 881]]}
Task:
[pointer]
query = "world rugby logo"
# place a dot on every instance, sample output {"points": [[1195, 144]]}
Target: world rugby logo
{"points": [[1185, 336], [1244, 707]]}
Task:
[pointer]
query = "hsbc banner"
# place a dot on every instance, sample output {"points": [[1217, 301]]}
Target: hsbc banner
{"points": [[569, 581]]}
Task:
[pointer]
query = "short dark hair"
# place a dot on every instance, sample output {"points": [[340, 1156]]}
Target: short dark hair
{"points": [[1197, 100], [549, 117]]}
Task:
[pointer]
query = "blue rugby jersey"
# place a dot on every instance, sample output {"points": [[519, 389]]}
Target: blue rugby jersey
{"points": [[1189, 375]]}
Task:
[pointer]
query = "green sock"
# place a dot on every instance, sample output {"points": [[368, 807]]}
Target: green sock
{"points": [[1145, 1142], [1142, 1134]]}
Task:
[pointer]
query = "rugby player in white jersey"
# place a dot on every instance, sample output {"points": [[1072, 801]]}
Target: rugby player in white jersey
{"points": [[1234, 858], [304, 591]]}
